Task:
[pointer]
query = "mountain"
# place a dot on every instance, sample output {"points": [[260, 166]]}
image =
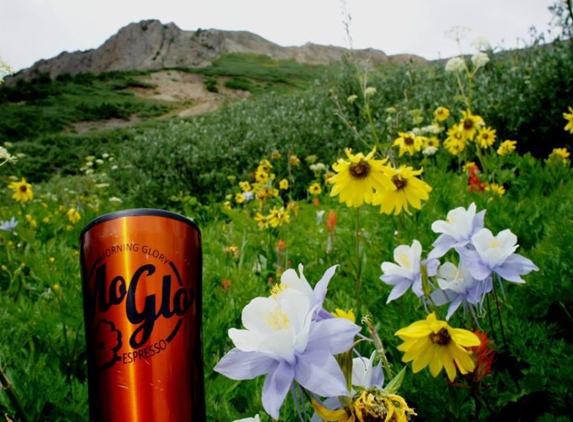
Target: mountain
{"points": [[151, 45]]}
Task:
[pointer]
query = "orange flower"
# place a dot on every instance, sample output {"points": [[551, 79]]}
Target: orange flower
{"points": [[484, 356], [225, 284], [331, 221]]}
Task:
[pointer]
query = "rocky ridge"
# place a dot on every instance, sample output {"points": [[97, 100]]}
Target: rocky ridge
{"points": [[152, 45]]}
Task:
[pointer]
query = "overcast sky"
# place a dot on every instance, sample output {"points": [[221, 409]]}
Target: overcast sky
{"points": [[31, 30]]}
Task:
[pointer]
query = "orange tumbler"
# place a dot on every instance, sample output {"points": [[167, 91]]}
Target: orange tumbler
{"points": [[141, 276]]}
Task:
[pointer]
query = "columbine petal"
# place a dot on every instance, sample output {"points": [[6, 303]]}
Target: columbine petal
{"points": [[320, 373], [276, 388], [334, 335], [239, 365], [515, 266]]}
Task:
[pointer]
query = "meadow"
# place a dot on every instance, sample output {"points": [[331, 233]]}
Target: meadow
{"points": [[342, 166]]}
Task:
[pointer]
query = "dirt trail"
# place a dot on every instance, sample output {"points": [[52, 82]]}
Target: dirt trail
{"points": [[186, 90]]}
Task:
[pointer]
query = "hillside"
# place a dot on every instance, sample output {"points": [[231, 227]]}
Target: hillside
{"points": [[152, 45]]}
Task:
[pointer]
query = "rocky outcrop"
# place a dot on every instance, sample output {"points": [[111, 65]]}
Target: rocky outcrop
{"points": [[151, 45]]}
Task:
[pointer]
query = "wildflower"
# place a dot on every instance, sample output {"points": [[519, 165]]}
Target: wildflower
{"points": [[495, 188], [408, 142], [481, 44], [455, 141], [470, 124], [349, 315], [429, 151], [358, 178], [22, 191], [275, 155], [486, 137], [5, 70], [5, 156], [283, 184], [245, 186], [495, 254], [455, 64], [559, 154], [225, 284], [262, 221], [433, 342], [431, 142], [311, 159], [282, 340], [9, 225], [31, 221], [232, 250], [480, 60], [484, 356], [255, 419], [457, 287], [457, 33], [441, 114], [409, 190], [115, 200], [331, 221], [293, 160], [408, 272], [475, 184], [318, 167], [506, 147], [352, 98], [293, 208], [277, 217], [239, 198], [456, 231], [227, 205], [73, 215], [369, 91], [569, 118], [315, 189]]}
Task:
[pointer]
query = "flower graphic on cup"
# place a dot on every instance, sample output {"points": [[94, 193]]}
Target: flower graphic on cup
{"points": [[107, 344]]}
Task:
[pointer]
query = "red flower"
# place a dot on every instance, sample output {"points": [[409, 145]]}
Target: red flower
{"points": [[484, 356], [475, 185], [331, 221]]}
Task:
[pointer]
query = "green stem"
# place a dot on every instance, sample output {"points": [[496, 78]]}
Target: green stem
{"points": [[8, 387], [379, 347], [358, 263], [497, 306]]}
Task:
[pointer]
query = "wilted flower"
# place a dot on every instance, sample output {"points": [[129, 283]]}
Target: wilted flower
{"points": [[5, 156], [433, 342], [457, 33], [352, 98], [293, 160]]}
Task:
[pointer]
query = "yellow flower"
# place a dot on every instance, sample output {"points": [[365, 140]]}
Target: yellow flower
{"points": [[486, 137], [470, 124], [358, 178], [408, 142], [31, 220], [245, 186], [239, 198], [409, 190], [569, 118], [468, 166], [455, 142], [495, 188], [283, 184], [73, 215], [277, 217], [293, 207], [227, 205], [275, 155], [265, 165], [22, 191], [262, 221], [433, 342], [506, 147], [262, 175], [559, 154], [431, 142], [441, 114], [315, 189], [293, 160], [339, 313]]}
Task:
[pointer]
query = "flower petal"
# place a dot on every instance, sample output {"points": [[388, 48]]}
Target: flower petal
{"points": [[239, 365], [276, 388]]}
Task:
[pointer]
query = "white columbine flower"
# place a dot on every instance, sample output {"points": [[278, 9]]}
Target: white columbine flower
{"points": [[480, 60], [455, 64], [407, 273]]}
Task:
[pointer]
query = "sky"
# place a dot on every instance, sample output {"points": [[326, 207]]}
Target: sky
{"points": [[31, 30]]}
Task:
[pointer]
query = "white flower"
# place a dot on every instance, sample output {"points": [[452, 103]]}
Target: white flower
{"points": [[115, 199], [318, 167], [494, 250], [430, 151], [5, 70], [407, 273], [455, 64], [365, 374], [352, 98], [451, 278], [481, 44], [369, 91], [480, 60], [319, 217], [457, 33], [5, 156]]}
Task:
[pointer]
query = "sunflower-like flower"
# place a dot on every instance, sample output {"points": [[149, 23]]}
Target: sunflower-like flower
{"points": [[486, 137], [569, 118], [495, 189], [455, 142], [408, 143], [73, 215], [408, 190], [441, 114], [506, 147], [358, 178], [277, 217], [22, 191], [559, 155], [470, 124], [433, 342]]}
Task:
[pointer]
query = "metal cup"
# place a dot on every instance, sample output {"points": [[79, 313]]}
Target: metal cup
{"points": [[141, 276]]}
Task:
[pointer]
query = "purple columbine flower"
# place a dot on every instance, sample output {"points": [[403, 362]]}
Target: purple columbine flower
{"points": [[458, 287], [281, 339], [456, 230], [408, 272], [9, 225], [496, 255]]}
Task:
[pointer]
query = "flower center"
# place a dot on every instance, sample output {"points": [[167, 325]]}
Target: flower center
{"points": [[23, 188], [441, 338], [277, 319], [399, 182], [360, 170], [468, 124], [408, 140], [494, 243]]}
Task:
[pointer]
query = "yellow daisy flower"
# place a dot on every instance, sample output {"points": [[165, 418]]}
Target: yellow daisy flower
{"points": [[315, 189], [339, 313], [73, 215], [239, 198], [245, 186], [486, 137], [22, 191], [470, 124], [357, 179], [409, 190], [262, 221], [277, 217], [431, 142], [275, 155], [293, 160], [283, 184], [569, 118], [455, 143], [495, 188], [559, 154], [433, 342], [408, 142], [441, 114], [506, 147]]}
